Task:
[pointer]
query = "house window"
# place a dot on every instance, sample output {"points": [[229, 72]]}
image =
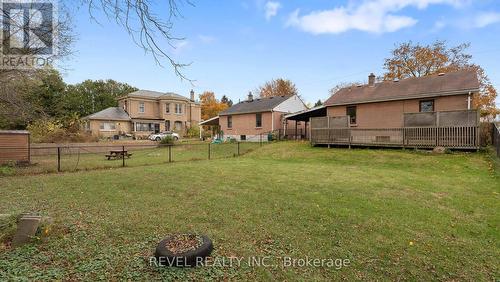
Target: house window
{"points": [[229, 122], [243, 137], [140, 126], [142, 107], [178, 125], [107, 126], [351, 112], [426, 106], [87, 125], [167, 125], [178, 108], [258, 120], [167, 108]]}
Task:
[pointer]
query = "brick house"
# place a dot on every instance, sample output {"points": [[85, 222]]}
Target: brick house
{"points": [[382, 104], [249, 119], [430, 111], [143, 112]]}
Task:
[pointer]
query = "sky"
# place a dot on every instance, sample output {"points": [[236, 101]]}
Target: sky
{"points": [[235, 46]]}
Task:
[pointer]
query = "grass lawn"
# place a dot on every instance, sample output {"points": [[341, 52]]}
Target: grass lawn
{"points": [[394, 214]]}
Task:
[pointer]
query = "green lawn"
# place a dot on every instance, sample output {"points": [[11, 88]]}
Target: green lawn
{"points": [[394, 214]]}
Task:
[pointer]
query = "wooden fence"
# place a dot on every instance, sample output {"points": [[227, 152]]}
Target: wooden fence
{"points": [[325, 130], [14, 146]]}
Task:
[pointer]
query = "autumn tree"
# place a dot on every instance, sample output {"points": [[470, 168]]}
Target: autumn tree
{"points": [[277, 87], [210, 106], [414, 60]]}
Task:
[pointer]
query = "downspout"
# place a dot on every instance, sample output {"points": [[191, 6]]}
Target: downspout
{"points": [[272, 120], [469, 101]]}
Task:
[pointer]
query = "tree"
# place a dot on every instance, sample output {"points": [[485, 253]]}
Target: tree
{"points": [[28, 98], [277, 87], [341, 85], [319, 103], [210, 106], [91, 96], [149, 30], [415, 60], [226, 100]]}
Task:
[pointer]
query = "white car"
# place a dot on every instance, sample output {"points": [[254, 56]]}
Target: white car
{"points": [[161, 135]]}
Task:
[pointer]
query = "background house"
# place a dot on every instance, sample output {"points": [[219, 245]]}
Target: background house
{"points": [[144, 112], [248, 119], [383, 104], [430, 111]]}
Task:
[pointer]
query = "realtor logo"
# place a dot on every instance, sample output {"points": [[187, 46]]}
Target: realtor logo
{"points": [[27, 33]]}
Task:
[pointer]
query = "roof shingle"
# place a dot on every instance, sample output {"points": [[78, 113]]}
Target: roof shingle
{"points": [[111, 113], [410, 88], [255, 106], [156, 95]]}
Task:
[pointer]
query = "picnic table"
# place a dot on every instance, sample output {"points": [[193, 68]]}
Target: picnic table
{"points": [[118, 154]]}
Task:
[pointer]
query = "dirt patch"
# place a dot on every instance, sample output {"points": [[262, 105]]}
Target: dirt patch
{"points": [[181, 243]]}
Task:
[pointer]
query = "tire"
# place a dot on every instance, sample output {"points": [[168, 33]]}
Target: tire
{"points": [[187, 259], [176, 138], [158, 139]]}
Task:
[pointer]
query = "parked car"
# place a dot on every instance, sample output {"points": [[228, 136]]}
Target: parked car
{"points": [[161, 135]]}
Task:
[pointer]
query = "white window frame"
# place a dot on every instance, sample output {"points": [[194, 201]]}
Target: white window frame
{"points": [[142, 107], [107, 126], [167, 108], [178, 109]]}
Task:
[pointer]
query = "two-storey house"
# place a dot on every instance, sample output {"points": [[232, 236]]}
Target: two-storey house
{"points": [[144, 112]]}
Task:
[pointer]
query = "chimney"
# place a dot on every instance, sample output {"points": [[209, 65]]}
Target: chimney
{"points": [[371, 79], [192, 95], [250, 96]]}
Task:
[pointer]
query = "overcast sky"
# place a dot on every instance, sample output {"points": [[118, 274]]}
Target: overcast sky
{"points": [[234, 46]]}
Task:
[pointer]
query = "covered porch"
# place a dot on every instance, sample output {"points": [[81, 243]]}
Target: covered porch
{"points": [[212, 125], [294, 132]]}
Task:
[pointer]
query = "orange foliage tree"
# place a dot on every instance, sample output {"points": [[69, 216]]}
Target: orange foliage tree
{"points": [[278, 87], [210, 106], [415, 60]]}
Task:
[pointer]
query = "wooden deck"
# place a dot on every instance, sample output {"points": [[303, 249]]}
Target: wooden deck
{"points": [[441, 132], [460, 137]]}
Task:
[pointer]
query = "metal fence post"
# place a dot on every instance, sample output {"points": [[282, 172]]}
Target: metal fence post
{"points": [[209, 151], [58, 159], [238, 148], [169, 153], [123, 156], [260, 136], [350, 136]]}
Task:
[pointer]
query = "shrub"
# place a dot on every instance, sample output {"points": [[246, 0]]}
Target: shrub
{"points": [[168, 140], [485, 129], [54, 131], [193, 131]]}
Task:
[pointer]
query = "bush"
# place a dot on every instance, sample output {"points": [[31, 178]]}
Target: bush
{"points": [[168, 140], [193, 131], [55, 131], [485, 129]]}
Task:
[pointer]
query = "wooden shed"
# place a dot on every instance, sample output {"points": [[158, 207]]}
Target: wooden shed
{"points": [[14, 146]]}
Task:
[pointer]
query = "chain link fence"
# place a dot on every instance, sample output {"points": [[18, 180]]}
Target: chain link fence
{"points": [[79, 157]]}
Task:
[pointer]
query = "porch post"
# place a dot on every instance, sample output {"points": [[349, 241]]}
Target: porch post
{"points": [[305, 130], [296, 138]]}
